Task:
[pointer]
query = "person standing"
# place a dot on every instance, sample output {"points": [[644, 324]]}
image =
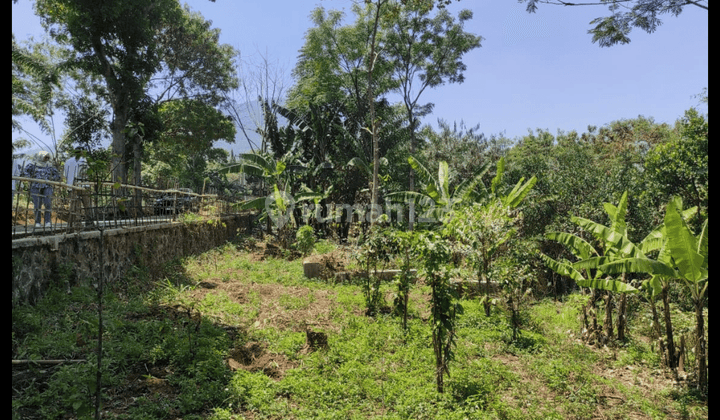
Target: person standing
{"points": [[75, 168], [18, 165], [41, 193]]}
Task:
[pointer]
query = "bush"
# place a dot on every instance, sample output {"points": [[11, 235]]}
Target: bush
{"points": [[305, 239]]}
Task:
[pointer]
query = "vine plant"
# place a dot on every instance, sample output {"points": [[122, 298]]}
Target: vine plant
{"points": [[376, 251], [434, 252], [403, 242]]}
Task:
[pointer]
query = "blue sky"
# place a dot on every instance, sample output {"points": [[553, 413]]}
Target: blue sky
{"points": [[533, 70]]}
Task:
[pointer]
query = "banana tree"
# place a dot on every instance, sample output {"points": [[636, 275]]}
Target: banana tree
{"points": [[683, 257], [275, 172], [615, 245], [438, 200]]}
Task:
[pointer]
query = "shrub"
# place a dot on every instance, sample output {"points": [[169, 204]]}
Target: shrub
{"points": [[305, 239]]}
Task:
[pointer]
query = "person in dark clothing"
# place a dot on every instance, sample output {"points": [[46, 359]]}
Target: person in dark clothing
{"points": [[41, 193]]}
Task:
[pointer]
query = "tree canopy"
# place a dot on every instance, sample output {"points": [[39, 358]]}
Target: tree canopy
{"points": [[137, 45], [625, 15]]}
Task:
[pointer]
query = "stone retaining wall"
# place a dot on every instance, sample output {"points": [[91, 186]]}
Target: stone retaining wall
{"points": [[38, 263]]}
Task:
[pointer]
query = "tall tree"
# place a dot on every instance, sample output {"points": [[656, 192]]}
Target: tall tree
{"points": [[680, 166], [371, 60], [333, 73], [426, 51], [86, 123], [184, 144], [38, 80], [129, 42]]}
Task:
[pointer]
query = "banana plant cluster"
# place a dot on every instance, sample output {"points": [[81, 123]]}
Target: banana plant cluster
{"points": [[279, 175], [681, 257], [437, 200], [614, 244]]}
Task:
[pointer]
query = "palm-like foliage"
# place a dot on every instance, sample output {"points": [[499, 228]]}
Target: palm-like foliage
{"points": [[33, 79], [437, 199], [274, 172], [615, 245], [682, 256]]}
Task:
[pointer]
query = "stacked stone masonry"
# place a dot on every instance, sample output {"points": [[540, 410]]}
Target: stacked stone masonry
{"points": [[41, 262]]}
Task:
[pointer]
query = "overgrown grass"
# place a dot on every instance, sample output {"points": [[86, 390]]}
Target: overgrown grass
{"points": [[166, 351]]}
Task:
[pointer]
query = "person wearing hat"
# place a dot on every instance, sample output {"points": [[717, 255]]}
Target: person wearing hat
{"points": [[41, 193]]}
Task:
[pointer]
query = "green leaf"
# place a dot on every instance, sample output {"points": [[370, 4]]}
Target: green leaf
{"points": [[600, 232], [421, 171], [617, 214], [578, 246], [614, 242], [654, 285], [466, 190], [433, 193], [683, 246], [564, 269], [444, 180], [703, 243], [592, 263], [616, 286], [518, 194], [638, 265], [256, 203], [653, 241], [498, 175], [279, 201], [279, 167]]}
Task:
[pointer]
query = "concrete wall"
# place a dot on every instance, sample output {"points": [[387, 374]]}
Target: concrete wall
{"points": [[38, 263]]}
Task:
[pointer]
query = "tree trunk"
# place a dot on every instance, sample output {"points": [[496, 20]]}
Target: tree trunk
{"points": [[486, 303], [621, 317], [622, 320], [137, 166], [608, 324], [656, 319], [700, 350], [515, 317], [439, 368], [411, 186], [373, 123], [670, 343], [119, 168]]}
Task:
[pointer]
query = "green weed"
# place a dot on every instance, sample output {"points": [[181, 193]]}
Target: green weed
{"points": [[372, 367]]}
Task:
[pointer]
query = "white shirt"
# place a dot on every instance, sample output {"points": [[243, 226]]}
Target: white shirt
{"points": [[73, 168], [17, 167]]}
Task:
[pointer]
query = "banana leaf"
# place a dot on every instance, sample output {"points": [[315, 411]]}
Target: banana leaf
{"points": [[617, 214], [466, 191], [637, 265], [683, 246], [498, 176], [562, 268], [578, 246], [518, 194], [616, 286], [421, 170]]}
